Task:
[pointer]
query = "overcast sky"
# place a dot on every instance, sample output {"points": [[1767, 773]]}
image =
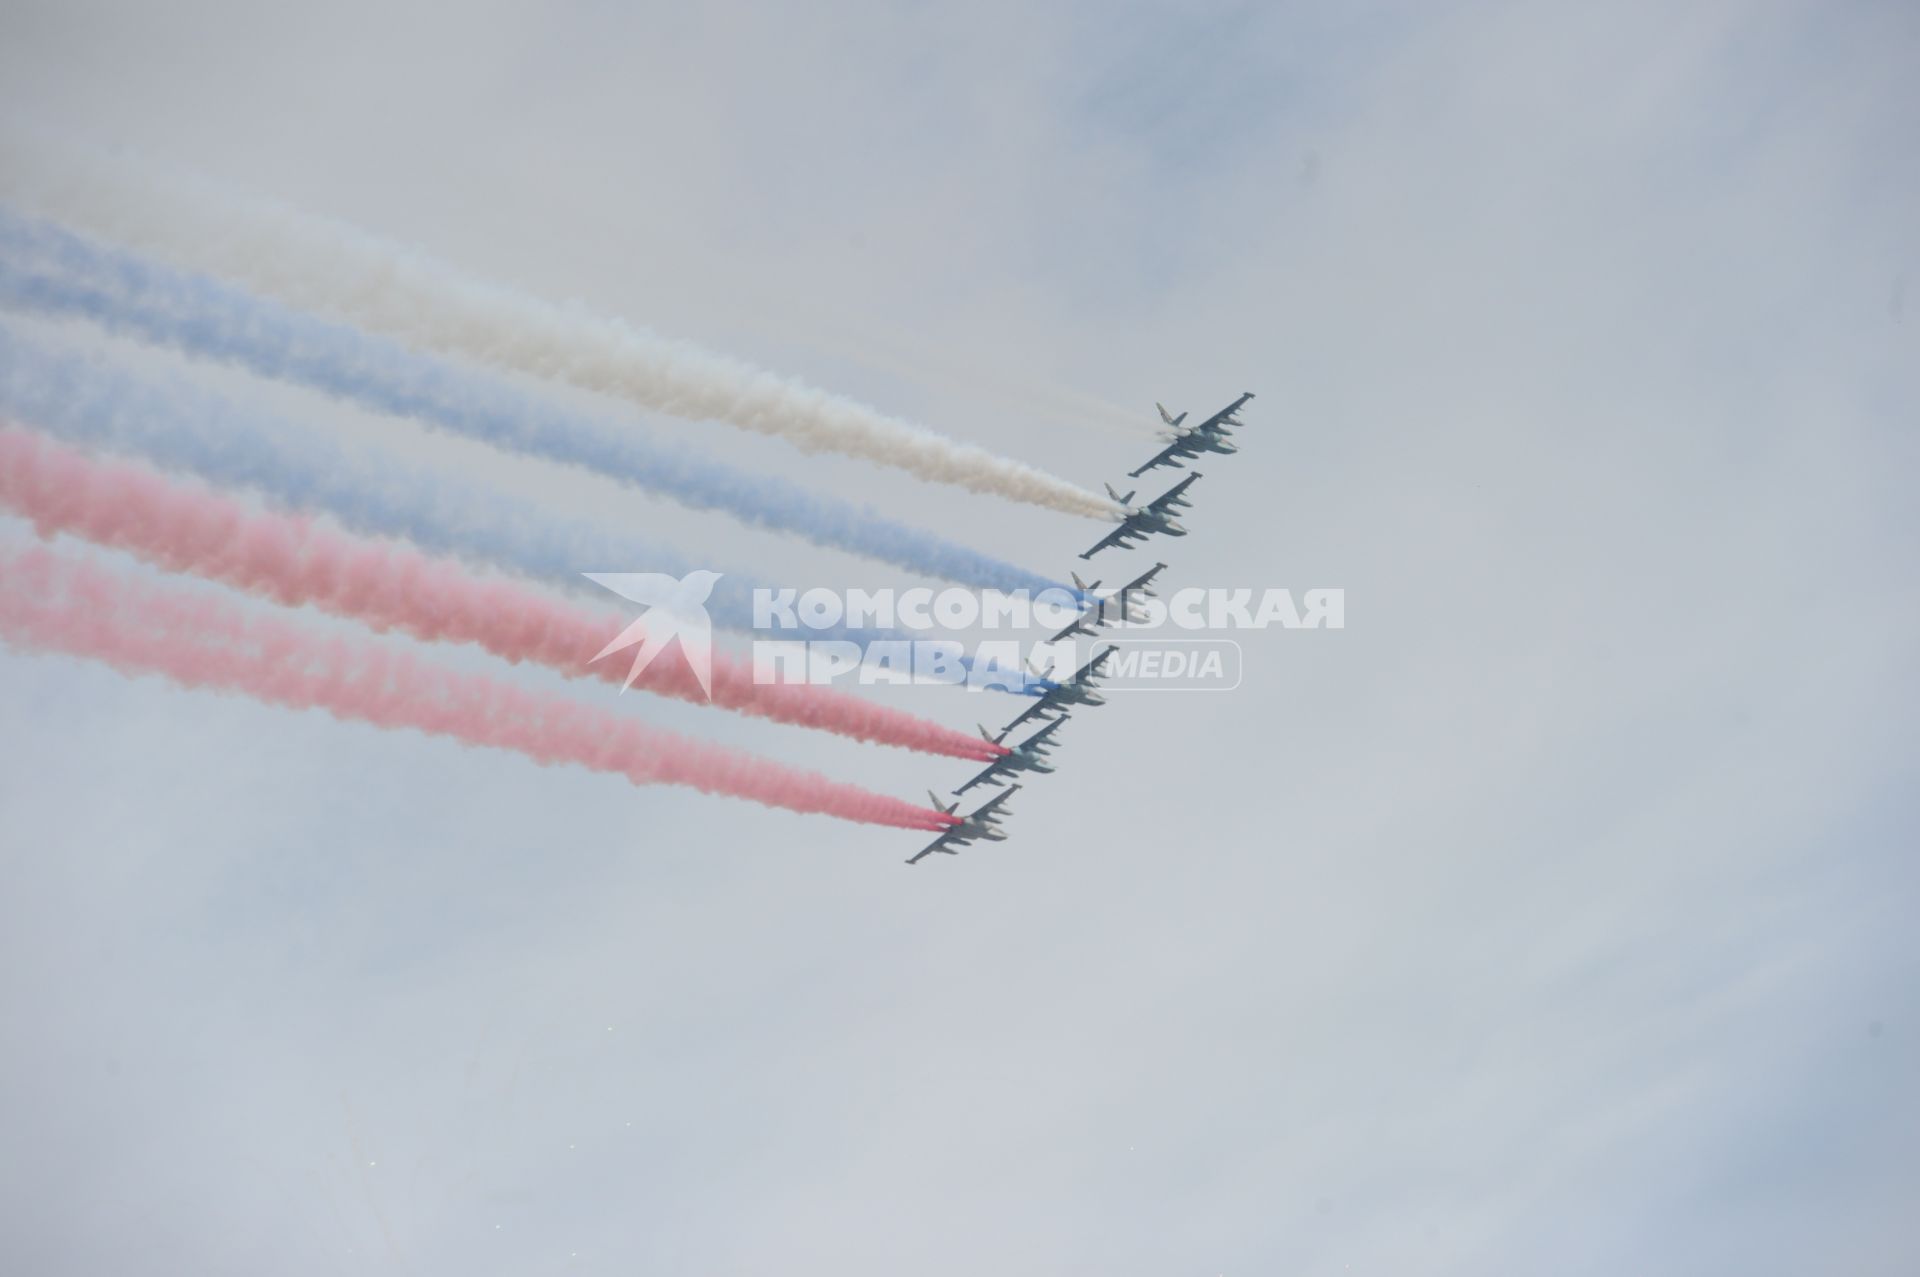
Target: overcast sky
{"points": [[1554, 916]]}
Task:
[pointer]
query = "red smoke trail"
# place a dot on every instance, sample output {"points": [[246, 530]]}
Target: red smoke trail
{"points": [[183, 527], [55, 602]]}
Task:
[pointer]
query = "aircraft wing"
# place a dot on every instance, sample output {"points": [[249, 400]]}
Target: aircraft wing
{"points": [[1225, 416], [1121, 536], [987, 773], [1167, 456], [1079, 626], [1142, 581], [1092, 667], [1122, 598], [1042, 739], [1165, 499], [938, 844], [1040, 706], [994, 803]]}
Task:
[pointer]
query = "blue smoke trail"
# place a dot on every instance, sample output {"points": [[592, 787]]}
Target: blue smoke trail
{"points": [[52, 271]]}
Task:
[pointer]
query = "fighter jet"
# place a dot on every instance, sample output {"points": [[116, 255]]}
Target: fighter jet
{"points": [[983, 823], [1108, 608], [1077, 690], [1139, 523], [1209, 436], [1030, 755]]}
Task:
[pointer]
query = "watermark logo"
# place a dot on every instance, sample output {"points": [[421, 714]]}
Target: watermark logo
{"points": [[1135, 640], [1185, 664], [676, 608]]}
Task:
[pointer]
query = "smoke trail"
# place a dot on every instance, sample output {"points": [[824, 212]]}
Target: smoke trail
{"points": [[181, 427], [184, 528], [314, 264], [184, 428], [56, 602], [47, 269]]}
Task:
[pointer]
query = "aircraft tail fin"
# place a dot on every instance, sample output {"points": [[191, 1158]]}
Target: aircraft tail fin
{"points": [[1168, 417], [940, 806], [1118, 499]]}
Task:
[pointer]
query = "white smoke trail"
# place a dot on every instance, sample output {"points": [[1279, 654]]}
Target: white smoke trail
{"points": [[319, 265]]}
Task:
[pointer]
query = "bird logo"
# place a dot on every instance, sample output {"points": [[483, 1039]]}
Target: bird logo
{"points": [[676, 608]]}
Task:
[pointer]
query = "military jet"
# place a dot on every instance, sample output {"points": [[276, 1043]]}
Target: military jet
{"points": [[1077, 690], [1030, 755], [1139, 523], [1116, 605], [983, 823], [1209, 436]]}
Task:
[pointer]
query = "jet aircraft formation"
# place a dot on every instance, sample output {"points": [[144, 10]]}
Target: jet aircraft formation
{"points": [[1136, 524]]}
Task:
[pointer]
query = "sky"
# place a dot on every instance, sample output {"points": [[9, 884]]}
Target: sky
{"points": [[1553, 915]]}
